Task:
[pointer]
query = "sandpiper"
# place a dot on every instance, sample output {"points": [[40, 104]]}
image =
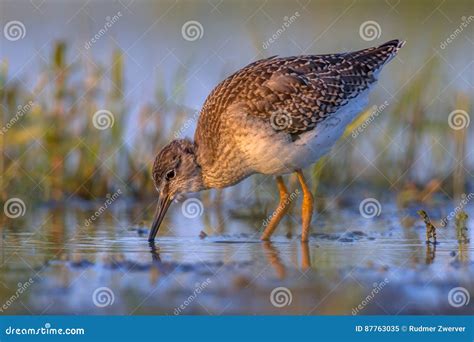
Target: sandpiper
{"points": [[275, 116]]}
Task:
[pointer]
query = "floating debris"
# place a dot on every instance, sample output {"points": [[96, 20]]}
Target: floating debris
{"points": [[461, 226], [141, 230], [430, 228]]}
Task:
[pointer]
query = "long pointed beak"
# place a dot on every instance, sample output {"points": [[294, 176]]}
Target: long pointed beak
{"points": [[163, 205]]}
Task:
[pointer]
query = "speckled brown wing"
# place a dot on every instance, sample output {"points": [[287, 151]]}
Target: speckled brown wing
{"points": [[303, 91], [296, 93]]}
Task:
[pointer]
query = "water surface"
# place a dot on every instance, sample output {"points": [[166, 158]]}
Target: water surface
{"points": [[350, 261]]}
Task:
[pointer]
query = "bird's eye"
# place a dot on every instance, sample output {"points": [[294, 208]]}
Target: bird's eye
{"points": [[170, 174]]}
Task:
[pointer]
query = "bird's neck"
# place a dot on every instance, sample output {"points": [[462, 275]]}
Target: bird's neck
{"points": [[214, 173]]}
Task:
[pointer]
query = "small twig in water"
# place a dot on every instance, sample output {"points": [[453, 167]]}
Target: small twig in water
{"points": [[430, 228]]}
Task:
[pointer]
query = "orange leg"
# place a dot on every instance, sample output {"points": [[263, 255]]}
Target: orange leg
{"points": [[279, 212], [307, 207]]}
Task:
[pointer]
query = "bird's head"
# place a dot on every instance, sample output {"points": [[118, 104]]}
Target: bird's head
{"points": [[175, 172]]}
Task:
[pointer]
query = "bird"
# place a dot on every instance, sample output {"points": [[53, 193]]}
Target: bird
{"points": [[276, 116]]}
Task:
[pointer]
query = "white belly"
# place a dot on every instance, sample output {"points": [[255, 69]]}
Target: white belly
{"points": [[270, 152]]}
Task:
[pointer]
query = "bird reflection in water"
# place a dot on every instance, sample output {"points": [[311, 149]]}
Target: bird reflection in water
{"points": [[271, 253], [155, 263], [273, 258]]}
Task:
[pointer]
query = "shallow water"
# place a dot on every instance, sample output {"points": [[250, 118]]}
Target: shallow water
{"points": [[349, 261]]}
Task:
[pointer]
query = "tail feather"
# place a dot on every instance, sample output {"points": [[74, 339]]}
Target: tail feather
{"points": [[376, 57]]}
